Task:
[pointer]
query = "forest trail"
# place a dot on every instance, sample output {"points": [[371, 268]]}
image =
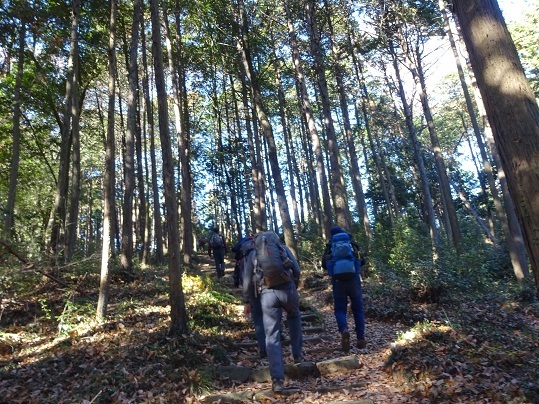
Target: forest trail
{"points": [[367, 383], [463, 349]]}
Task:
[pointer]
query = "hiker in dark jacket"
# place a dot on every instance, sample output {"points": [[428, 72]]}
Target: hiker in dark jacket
{"points": [[273, 301], [217, 245], [347, 286], [242, 249]]}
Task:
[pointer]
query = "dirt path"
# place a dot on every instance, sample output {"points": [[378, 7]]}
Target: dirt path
{"points": [[369, 383]]}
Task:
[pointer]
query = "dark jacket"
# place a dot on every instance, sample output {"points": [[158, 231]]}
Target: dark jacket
{"points": [[224, 245]]}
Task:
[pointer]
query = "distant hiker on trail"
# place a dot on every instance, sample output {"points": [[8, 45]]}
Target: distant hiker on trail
{"points": [[201, 243], [217, 244], [242, 249], [272, 272], [342, 260]]}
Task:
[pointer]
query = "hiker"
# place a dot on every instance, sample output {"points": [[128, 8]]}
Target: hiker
{"points": [[217, 245], [342, 260], [201, 243], [272, 272], [242, 249]]}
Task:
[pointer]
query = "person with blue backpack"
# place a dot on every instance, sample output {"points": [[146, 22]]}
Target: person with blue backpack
{"points": [[342, 260]]}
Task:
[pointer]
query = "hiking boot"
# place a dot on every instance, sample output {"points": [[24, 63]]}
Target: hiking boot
{"points": [[277, 385], [299, 359], [345, 341], [361, 343]]}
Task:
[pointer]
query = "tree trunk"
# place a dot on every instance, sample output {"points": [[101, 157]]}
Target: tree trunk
{"points": [[508, 219], [178, 314], [429, 208], [514, 238], [311, 124], [355, 174], [449, 204], [342, 210], [109, 175], [259, 218], [511, 108], [484, 228], [286, 139], [74, 196], [184, 146], [176, 69], [59, 209], [126, 258], [244, 226], [157, 222], [267, 131], [16, 149], [377, 156]]}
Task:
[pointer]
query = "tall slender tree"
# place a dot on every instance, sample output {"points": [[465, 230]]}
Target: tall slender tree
{"points": [[266, 128], [16, 135], [308, 116], [178, 314], [126, 259], [59, 209], [337, 184], [109, 174]]}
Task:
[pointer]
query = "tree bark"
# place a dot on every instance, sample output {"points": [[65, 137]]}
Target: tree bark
{"points": [[258, 218], [449, 204], [59, 209], [16, 148], [511, 108], [184, 146], [178, 314], [109, 175], [75, 180], [508, 219], [429, 208], [342, 210], [126, 257], [355, 174], [267, 131], [157, 222], [308, 115]]}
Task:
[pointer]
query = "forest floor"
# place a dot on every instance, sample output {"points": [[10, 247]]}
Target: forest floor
{"points": [[455, 349]]}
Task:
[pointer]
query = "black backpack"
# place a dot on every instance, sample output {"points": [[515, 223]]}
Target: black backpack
{"points": [[273, 265], [216, 240]]}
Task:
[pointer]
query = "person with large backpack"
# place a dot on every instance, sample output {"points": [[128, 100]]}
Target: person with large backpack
{"points": [[342, 260], [271, 273], [217, 245], [242, 249]]}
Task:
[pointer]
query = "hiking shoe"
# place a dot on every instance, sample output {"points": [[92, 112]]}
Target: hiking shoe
{"points": [[361, 343], [299, 359], [345, 340], [277, 385]]}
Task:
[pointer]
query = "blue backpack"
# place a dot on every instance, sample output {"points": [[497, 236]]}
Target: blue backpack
{"points": [[342, 262]]}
